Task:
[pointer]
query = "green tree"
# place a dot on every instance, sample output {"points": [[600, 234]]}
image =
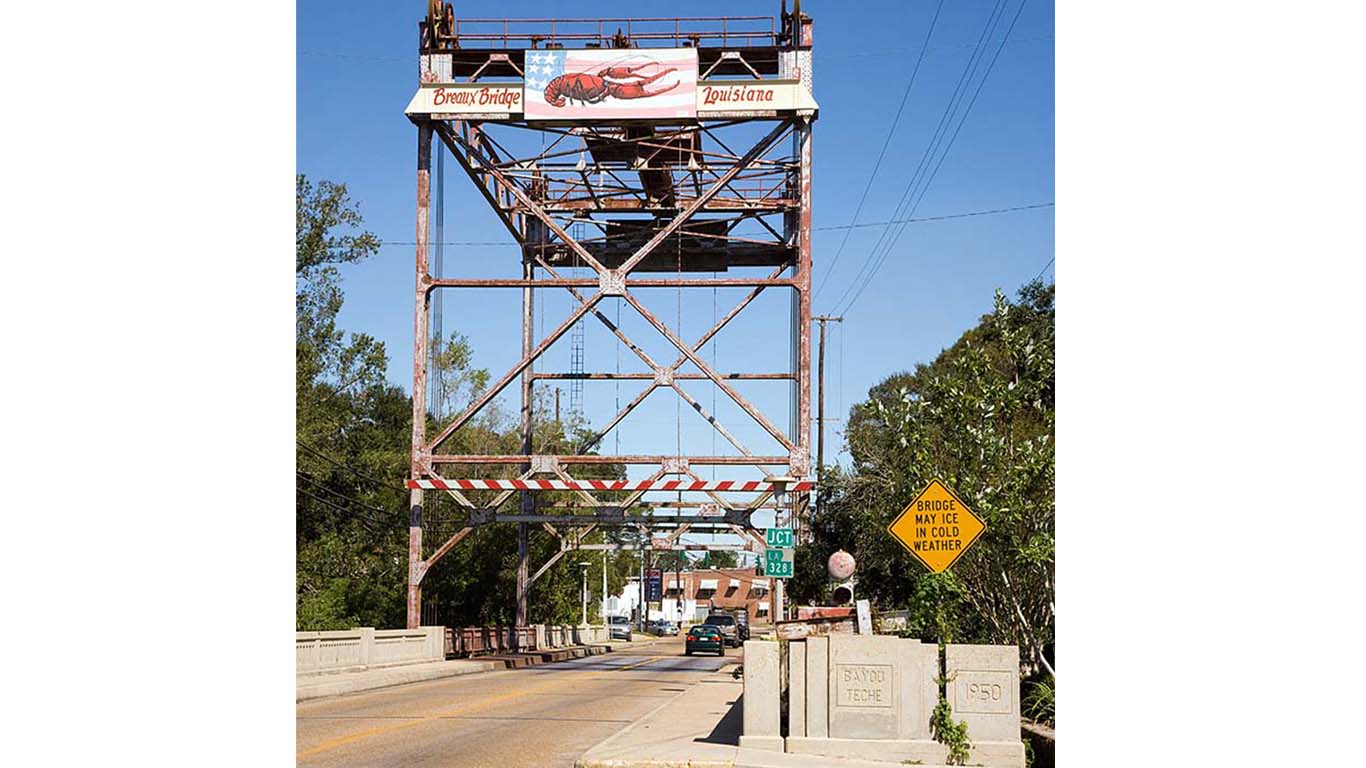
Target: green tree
{"points": [[721, 558], [353, 433], [980, 417], [351, 429], [327, 227]]}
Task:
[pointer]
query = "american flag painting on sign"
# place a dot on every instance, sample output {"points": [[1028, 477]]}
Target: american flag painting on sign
{"points": [[605, 83]]}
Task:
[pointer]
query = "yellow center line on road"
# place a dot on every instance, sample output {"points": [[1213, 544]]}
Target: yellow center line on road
{"points": [[378, 730]]}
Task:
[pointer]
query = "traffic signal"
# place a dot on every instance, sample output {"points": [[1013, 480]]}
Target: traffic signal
{"points": [[843, 593]]}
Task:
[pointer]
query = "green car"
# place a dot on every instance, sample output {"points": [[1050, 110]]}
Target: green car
{"points": [[704, 637]]}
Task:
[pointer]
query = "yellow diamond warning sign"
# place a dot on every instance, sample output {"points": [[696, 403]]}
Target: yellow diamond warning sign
{"points": [[936, 527]]}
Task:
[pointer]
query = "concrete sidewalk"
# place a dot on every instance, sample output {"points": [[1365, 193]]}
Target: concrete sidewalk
{"points": [[700, 728], [313, 686]]}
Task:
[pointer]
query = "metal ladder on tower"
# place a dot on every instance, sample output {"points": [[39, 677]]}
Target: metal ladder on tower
{"points": [[576, 348]]}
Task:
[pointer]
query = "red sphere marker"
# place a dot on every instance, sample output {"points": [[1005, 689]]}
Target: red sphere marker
{"points": [[841, 565]]}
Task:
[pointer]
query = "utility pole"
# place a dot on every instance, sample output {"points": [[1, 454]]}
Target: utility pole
{"points": [[820, 400]]}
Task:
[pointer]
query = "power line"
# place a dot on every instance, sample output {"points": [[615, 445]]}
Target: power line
{"points": [[341, 495], [880, 52], [1045, 268], [827, 228], [932, 146], [947, 148], [346, 467], [924, 187], [924, 219], [896, 120], [346, 511]]}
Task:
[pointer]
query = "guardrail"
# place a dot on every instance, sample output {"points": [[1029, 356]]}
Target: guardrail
{"points": [[366, 647], [473, 641]]}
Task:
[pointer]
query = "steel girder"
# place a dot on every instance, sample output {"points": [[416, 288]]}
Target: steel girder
{"points": [[537, 197]]}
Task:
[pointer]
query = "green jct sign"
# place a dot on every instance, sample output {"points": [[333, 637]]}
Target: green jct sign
{"points": [[778, 563], [778, 538]]}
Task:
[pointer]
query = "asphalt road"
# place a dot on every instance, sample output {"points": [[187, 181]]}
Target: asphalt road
{"points": [[540, 716]]}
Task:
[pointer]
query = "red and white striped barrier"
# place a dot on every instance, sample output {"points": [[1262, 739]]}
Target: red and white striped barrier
{"points": [[608, 485]]}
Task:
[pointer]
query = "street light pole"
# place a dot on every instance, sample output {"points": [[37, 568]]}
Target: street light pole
{"points": [[583, 592]]}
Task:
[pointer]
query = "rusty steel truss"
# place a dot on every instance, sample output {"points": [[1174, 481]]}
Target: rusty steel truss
{"points": [[659, 202]]}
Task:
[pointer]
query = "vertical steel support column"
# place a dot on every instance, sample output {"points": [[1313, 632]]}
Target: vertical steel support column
{"points": [[420, 325], [522, 580], [415, 573], [820, 405], [527, 502], [799, 522]]}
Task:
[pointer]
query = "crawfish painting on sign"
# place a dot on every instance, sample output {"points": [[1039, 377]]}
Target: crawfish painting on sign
{"points": [[632, 83]]}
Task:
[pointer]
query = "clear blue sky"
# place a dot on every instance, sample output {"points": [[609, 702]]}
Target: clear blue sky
{"points": [[357, 69]]}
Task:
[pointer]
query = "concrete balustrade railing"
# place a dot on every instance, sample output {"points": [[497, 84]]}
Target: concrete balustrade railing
{"points": [[366, 647]]}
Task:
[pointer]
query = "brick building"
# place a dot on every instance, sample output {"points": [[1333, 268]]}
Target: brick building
{"points": [[697, 592]]}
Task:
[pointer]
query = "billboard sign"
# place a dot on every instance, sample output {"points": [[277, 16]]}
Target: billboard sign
{"points": [[483, 99], [598, 83], [744, 97], [654, 586]]}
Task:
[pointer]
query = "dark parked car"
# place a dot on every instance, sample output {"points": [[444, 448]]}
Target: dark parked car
{"points": [[704, 637]]}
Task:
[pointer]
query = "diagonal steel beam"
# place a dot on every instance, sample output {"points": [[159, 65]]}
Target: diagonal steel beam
{"points": [[634, 497], [498, 500], [620, 334], [441, 551], [579, 533], [706, 337], [710, 419], [588, 444], [672, 538], [725, 319], [555, 558], [516, 370], [711, 374], [751, 534], [560, 473], [447, 137], [455, 493], [716, 497], [687, 213], [483, 189]]}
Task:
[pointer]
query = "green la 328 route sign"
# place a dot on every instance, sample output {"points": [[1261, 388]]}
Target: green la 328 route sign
{"points": [[778, 563]]}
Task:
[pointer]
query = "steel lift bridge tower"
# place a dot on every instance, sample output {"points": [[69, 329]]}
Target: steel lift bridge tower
{"points": [[669, 148]]}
